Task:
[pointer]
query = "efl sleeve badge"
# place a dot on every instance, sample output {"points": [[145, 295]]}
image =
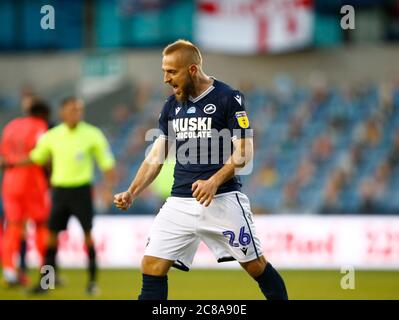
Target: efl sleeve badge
{"points": [[242, 119]]}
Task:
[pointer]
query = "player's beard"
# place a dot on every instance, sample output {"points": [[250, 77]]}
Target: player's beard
{"points": [[186, 91]]}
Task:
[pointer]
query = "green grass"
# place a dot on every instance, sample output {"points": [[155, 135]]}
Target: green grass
{"points": [[222, 284]]}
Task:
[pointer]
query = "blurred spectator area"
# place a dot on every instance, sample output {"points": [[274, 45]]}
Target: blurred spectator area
{"points": [[319, 147], [326, 117]]}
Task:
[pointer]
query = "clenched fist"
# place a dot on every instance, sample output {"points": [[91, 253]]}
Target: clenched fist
{"points": [[204, 191], [123, 200]]}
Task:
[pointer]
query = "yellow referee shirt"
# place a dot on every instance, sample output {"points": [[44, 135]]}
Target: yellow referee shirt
{"points": [[73, 152]]}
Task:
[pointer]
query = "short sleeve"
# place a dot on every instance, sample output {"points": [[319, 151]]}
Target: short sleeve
{"points": [[102, 152], [42, 151], [237, 118], [164, 120]]}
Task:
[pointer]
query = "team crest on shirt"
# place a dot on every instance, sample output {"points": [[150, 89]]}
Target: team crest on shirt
{"points": [[242, 119], [210, 108]]}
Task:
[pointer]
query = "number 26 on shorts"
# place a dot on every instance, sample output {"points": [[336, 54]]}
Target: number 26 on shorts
{"points": [[243, 238]]}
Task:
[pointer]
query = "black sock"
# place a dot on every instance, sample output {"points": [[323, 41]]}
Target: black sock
{"points": [[271, 284], [154, 288], [50, 256], [92, 266], [22, 252]]}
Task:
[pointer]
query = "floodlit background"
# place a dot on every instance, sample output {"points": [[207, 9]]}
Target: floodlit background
{"points": [[323, 102]]}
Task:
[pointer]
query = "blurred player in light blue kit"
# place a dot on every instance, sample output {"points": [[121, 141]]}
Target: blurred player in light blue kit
{"points": [[206, 201]]}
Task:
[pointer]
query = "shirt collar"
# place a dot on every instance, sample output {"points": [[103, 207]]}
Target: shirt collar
{"points": [[66, 128], [205, 93]]}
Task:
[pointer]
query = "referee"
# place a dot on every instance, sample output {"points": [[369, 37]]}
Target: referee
{"points": [[73, 146]]}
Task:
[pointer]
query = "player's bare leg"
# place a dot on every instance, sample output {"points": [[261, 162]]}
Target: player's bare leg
{"points": [[255, 267], [155, 266], [269, 280], [155, 279]]}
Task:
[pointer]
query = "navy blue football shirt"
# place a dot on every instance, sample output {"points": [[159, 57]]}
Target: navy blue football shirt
{"points": [[204, 128]]}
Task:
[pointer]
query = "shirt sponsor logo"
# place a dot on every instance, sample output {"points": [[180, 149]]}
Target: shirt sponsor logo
{"points": [[242, 119], [192, 127], [177, 110], [210, 108]]}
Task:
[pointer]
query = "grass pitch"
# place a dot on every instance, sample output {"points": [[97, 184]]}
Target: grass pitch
{"points": [[201, 284]]}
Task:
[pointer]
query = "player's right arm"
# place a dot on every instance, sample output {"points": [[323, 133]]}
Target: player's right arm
{"points": [[146, 174]]}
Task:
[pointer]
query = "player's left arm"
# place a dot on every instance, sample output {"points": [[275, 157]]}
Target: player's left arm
{"points": [[205, 190], [241, 134]]}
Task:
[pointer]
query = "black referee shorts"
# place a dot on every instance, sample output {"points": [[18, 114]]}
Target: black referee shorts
{"points": [[67, 202]]}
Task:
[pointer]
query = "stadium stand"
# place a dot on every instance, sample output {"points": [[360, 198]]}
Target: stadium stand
{"points": [[318, 149]]}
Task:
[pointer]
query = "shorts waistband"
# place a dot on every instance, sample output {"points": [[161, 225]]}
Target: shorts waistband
{"points": [[84, 186], [216, 196]]}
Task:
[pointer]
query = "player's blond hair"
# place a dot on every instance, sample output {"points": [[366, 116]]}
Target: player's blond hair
{"points": [[190, 52]]}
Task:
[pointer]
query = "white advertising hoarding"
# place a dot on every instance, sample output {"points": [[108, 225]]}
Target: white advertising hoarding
{"points": [[308, 242]]}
